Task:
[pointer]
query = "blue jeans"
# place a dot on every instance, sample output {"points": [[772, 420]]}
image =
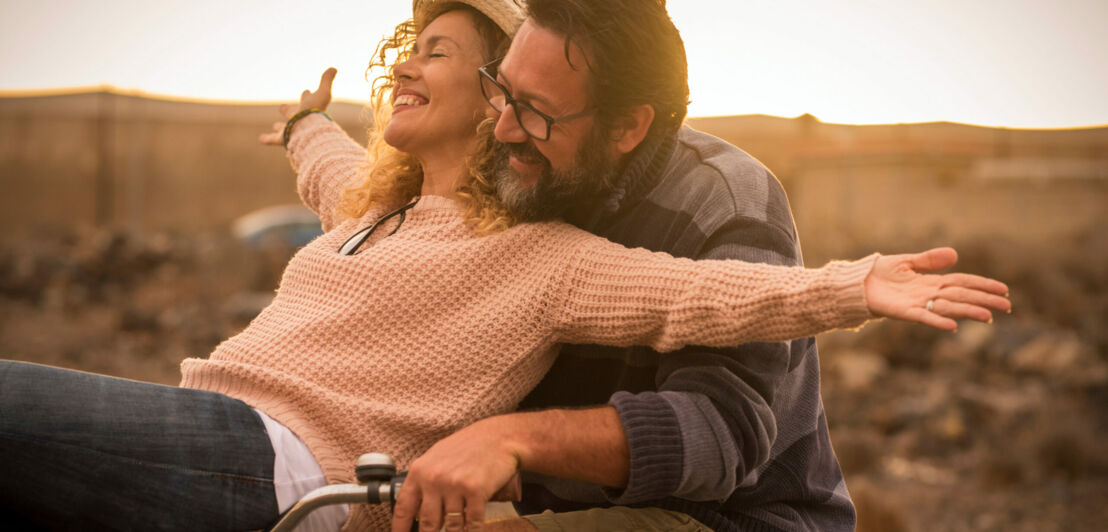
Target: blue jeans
{"points": [[88, 452]]}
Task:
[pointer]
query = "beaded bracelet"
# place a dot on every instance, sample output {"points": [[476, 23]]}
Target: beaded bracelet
{"points": [[298, 116]]}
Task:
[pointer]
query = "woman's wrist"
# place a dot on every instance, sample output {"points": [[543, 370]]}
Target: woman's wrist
{"points": [[296, 118]]}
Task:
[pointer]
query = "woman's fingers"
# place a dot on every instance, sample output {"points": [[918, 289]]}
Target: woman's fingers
{"points": [[967, 297], [933, 259], [275, 137], [932, 319], [319, 99], [960, 311], [926, 317], [975, 282], [975, 297], [326, 80]]}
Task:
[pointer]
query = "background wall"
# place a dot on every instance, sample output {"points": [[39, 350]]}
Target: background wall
{"points": [[873, 187], [125, 161], [118, 160]]}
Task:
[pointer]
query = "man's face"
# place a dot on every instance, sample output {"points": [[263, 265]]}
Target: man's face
{"points": [[536, 179], [589, 175]]}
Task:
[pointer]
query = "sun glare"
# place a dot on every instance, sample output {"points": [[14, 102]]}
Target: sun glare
{"points": [[858, 61]]}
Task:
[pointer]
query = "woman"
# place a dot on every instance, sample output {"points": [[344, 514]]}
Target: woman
{"points": [[393, 330]]}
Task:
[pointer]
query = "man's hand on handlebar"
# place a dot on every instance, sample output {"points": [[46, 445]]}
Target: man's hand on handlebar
{"points": [[451, 483]]}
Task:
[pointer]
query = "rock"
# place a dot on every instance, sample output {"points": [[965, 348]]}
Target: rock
{"points": [[999, 406], [920, 472], [1065, 454], [1002, 469], [1048, 354], [244, 306], [876, 511], [1064, 358], [133, 319], [952, 426], [858, 370], [974, 335], [858, 451]]}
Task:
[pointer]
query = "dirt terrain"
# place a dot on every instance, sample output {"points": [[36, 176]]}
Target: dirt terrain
{"points": [[997, 427]]}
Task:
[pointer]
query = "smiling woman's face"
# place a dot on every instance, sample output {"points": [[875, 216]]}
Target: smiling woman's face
{"points": [[437, 101]]}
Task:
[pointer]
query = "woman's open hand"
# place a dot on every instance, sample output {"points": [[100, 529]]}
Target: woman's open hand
{"points": [[899, 287], [319, 99]]}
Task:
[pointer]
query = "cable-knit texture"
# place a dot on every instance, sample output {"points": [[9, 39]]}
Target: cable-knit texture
{"points": [[433, 328]]}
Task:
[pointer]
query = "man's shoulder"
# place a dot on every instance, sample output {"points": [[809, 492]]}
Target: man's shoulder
{"points": [[718, 154], [703, 162], [717, 183]]}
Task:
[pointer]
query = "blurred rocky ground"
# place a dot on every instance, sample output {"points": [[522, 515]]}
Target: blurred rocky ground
{"points": [[107, 302], [996, 427]]}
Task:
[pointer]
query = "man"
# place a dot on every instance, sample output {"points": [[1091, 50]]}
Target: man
{"points": [[591, 99]]}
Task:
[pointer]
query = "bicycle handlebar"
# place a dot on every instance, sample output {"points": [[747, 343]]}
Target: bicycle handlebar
{"points": [[378, 483]]}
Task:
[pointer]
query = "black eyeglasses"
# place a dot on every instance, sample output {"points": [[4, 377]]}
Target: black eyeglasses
{"points": [[350, 247], [536, 123]]}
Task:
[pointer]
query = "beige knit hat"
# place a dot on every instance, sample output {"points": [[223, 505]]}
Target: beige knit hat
{"points": [[508, 14]]}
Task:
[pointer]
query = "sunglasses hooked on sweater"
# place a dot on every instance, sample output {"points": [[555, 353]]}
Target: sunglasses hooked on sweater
{"points": [[350, 247]]}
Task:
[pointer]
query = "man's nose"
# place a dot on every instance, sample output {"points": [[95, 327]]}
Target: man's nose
{"points": [[507, 129]]}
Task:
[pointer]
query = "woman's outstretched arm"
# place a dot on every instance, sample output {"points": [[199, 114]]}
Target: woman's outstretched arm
{"points": [[325, 159], [620, 296]]}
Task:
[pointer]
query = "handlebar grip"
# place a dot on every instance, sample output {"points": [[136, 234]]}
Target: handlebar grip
{"points": [[378, 483], [385, 491], [394, 487]]}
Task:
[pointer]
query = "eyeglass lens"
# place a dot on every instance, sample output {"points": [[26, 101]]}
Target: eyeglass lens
{"points": [[531, 122]]}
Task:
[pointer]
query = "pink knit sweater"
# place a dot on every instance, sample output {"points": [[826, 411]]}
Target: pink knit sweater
{"points": [[433, 328]]}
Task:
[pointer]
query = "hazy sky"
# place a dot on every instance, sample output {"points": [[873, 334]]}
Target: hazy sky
{"points": [[1017, 63]]}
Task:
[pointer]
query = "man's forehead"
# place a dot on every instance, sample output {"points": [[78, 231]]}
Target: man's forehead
{"points": [[537, 63]]}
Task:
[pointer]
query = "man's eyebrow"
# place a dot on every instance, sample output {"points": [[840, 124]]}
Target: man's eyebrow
{"points": [[528, 97]]}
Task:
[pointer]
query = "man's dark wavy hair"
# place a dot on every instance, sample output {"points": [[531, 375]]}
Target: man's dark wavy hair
{"points": [[635, 56]]}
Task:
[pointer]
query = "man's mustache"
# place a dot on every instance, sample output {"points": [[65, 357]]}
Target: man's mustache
{"points": [[526, 152]]}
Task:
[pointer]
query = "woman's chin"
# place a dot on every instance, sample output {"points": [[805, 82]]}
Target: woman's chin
{"points": [[395, 138]]}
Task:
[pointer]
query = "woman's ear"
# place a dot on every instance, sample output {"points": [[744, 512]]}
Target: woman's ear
{"points": [[632, 130]]}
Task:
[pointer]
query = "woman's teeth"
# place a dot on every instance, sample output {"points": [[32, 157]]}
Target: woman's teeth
{"points": [[409, 100]]}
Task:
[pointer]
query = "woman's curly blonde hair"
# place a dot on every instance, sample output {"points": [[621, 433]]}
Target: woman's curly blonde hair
{"points": [[392, 177]]}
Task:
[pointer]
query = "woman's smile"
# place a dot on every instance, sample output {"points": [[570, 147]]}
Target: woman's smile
{"points": [[407, 99]]}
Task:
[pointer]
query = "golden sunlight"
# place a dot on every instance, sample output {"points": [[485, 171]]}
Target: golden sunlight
{"points": [[1020, 63]]}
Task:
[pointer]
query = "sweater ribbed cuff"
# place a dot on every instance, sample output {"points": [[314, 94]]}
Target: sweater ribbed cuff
{"points": [[305, 132], [849, 289], [654, 442]]}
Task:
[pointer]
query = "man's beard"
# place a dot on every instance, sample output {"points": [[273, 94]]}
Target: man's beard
{"points": [[591, 175]]}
